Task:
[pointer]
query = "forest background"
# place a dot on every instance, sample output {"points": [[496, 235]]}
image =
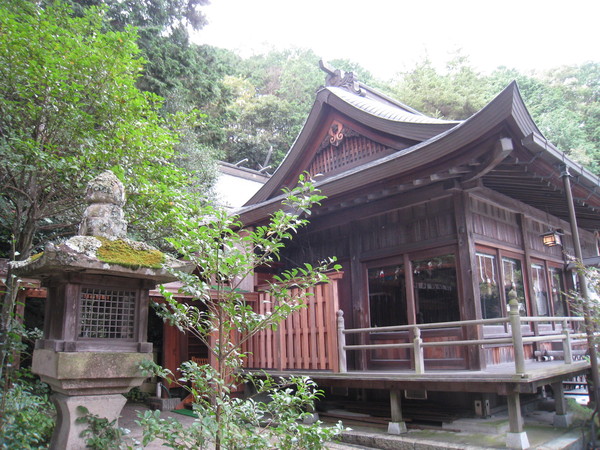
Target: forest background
{"points": [[255, 106]]}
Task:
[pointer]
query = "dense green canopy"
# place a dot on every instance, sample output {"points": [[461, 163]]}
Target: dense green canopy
{"points": [[70, 109]]}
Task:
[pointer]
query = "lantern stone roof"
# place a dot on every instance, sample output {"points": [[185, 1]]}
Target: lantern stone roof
{"points": [[101, 246], [95, 255]]}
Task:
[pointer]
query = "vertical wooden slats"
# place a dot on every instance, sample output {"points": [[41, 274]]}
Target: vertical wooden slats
{"points": [[304, 330], [351, 152], [320, 330], [306, 340], [310, 311]]}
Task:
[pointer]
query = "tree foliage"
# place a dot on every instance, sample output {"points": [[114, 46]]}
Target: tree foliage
{"points": [[69, 109], [219, 316], [162, 15], [564, 102]]}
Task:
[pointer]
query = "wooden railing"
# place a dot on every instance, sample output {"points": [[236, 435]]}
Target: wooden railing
{"points": [[306, 340], [516, 338]]}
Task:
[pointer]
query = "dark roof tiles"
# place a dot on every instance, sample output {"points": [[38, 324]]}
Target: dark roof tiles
{"points": [[384, 110]]}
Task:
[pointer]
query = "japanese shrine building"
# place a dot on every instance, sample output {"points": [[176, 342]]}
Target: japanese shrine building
{"points": [[433, 221]]}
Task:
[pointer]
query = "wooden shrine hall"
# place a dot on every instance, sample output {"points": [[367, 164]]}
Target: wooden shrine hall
{"points": [[448, 291]]}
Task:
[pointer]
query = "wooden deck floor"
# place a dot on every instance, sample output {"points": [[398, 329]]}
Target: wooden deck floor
{"points": [[500, 378]]}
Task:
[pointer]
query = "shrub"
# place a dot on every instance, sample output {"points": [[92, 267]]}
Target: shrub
{"points": [[28, 420]]}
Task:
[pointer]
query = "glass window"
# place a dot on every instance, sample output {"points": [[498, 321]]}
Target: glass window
{"points": [[540, 290], [489, 292], [387, 296], [436, 294], [557, 290], [513, 282]]}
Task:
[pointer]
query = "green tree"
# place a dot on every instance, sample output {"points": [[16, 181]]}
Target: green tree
{"points": [[261, 130], [565, 103], [219, 316], [69, 109], [164, 15], [186, 75], [456, 94]]}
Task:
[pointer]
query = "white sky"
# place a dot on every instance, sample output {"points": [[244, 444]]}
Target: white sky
{"points": [[387, 36]]}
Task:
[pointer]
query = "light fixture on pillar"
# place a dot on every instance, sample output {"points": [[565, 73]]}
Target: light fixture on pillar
{"points": [[552, 238]]}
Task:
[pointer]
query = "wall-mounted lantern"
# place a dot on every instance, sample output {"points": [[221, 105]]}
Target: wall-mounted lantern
{"points": [[552, 238]]}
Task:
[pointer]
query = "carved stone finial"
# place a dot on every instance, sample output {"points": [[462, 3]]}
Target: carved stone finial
{"points": [[103, 217]]}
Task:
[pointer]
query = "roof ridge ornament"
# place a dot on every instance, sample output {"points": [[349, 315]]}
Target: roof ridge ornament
{"points": [[339, 78]]}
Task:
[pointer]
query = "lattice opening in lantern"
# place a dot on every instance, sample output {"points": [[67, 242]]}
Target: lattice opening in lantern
{"points": [[106, 314]]}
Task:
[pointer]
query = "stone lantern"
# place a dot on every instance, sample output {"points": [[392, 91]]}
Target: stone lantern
{"points": [[95, 328]]}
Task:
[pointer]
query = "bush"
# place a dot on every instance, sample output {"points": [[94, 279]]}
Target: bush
{"points": [[137, 395], [28, 420]]}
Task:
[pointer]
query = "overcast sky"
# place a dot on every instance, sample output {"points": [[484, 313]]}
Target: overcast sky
{"points": [[387, 36]]}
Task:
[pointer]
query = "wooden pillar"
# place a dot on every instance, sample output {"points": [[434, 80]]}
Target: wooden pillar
{"points": [[397, 425], [342, 364], [470, 306], [583, 289], [517, 338], [516, 436], [527, 278], [562, 418], [360, 295]]}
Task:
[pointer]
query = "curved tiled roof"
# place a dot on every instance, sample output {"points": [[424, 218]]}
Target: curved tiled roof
{"points": [[384, 111], [528, 180]]}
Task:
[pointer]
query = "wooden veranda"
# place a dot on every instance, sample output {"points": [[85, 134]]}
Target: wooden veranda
{"points": [[312, 342]]}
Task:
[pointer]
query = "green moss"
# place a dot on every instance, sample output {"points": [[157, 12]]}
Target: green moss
{"points": [[36, 256], [125, 254]]}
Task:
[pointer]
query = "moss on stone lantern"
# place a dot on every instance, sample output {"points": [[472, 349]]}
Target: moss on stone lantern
{"points": [[95, 330]]}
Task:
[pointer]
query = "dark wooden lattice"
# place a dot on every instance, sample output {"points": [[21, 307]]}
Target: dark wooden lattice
{"points": [[107, 314], [351, 151]]}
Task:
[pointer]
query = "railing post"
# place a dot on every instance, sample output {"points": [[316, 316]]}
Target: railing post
{"points": [[418, 351], [341, 342], [517, 338], [567, 343]]}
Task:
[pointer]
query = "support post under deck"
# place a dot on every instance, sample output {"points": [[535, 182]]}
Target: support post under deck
{"points": [[397, 425], [516, 436], [562, 418]]}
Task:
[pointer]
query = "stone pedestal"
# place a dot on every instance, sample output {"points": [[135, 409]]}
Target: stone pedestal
{"points": [[397, 428], [89, 373], [91, 379], [563, 420], [67, 432], [517, 440]]}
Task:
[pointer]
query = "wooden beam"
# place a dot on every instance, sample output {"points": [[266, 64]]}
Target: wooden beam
{"points": [[501, 150], [516, 436]]}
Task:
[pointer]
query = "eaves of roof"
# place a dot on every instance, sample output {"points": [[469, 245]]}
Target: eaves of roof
{"points": [[383, 117], [506, 109]]}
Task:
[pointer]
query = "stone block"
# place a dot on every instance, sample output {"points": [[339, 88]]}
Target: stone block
{"points": [[517, 440], [67, 432]]}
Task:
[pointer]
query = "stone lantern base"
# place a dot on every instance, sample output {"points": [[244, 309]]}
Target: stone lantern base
{"points": [[92, 379], [67, 434]]}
